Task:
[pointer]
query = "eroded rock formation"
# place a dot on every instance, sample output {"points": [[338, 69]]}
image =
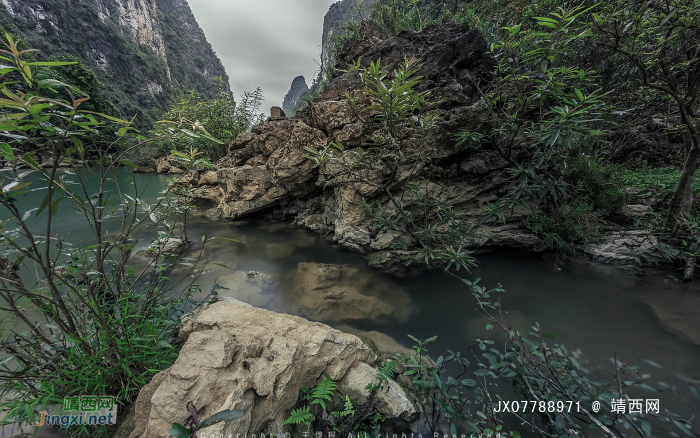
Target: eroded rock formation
{"points": [[266, 171]]}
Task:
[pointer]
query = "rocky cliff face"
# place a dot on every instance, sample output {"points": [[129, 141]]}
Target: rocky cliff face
{"points": [[268, 171], [144, 51], [339, 14], [293, 98]]}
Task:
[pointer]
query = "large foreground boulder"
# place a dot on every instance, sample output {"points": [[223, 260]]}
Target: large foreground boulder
{"points": [[241, 357]]}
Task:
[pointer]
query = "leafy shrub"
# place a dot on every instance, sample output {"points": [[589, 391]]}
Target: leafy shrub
{"points": [[346, 419], [398, 15], [574, 221], [93, 319], [600, 184], [221, 117]]}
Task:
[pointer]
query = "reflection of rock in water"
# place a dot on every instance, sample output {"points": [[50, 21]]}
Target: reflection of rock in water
{"points": [[335, 293], [250, 287], [671, 319], [383, 342], [273, 227]]}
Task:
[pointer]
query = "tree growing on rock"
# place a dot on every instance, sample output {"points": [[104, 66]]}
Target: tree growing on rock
{"points": [[659, 42]]}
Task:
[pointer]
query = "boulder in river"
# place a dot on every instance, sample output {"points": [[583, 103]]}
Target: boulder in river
{"points": [[619, 247], [240, 357], [171, 246]]}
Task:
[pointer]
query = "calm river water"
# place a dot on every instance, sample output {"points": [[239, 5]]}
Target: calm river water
{"points": [[599, 310]]}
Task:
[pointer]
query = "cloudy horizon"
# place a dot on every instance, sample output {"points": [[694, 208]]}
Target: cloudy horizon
{"points": [[265, 43]]}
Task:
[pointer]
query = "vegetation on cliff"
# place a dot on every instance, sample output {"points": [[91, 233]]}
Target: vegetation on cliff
{"points": [[221, 117]]}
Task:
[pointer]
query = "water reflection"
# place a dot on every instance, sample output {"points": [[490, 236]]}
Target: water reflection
{"points": [[598, 309]]}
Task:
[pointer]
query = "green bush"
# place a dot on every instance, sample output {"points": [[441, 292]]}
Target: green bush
{"points": [[594, 191], [574, 221], [221, 117], [600, 184]]}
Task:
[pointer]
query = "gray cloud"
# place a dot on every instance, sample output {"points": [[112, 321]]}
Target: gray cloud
{"points": [[264, 43]]}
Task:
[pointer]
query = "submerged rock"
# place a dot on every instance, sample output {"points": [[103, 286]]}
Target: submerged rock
{"points": [[239, 357], [172, 247], [250, 287], [276, 251], [383, 342], [337, 293], [144, 169]]}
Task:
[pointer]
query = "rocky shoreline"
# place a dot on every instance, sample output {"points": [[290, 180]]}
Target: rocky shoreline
{"points": [[267, 174]]}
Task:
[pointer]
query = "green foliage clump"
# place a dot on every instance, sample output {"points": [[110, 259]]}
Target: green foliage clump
{"points": [[323, 392], [319, 395], [347, 419], [600, 184], [397, 15], [84, 80], [594, 191], [574, 221], [654, 180], [221, 117]]}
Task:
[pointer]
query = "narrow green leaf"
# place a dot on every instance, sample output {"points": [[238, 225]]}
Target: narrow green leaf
{"points": [[180, 431]]}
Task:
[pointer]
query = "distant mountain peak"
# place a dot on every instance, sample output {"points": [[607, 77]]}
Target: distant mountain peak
{"points": [[293, 98]]}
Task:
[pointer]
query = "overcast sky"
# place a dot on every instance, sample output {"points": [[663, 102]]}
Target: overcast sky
{"points": [[264, 43]]}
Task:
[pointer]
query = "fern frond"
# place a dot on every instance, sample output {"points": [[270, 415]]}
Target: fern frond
{"points": [[300, 416], [324, 391], [348, 409], [372, 387], [387, 371]]}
